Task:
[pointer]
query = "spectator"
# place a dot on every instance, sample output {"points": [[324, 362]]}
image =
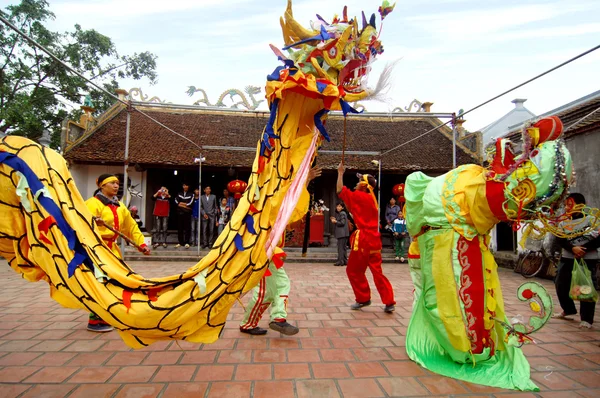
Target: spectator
{"points": [[195, 217], [583, 247], [391, 211], [401, 238], [230, 200], [224, 215], [161, 216], [184, 202], [341, 233], [136, 217], [208, 212]]}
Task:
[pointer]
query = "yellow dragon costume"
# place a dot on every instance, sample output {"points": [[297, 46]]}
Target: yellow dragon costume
{"points": [[47, 232]]}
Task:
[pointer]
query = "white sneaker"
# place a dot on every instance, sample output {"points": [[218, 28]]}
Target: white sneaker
{"points": [[585, 325], [397, 258], [402, 259], [187, 246], [177, 246]]}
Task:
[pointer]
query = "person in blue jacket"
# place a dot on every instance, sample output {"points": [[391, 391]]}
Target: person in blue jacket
{"points": [[401, 237], [195, 217]]}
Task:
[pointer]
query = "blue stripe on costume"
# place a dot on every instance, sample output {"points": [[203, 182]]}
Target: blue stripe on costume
{"points": [[35, 186]]}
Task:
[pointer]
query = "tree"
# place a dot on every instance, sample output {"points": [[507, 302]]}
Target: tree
{"points": [[37, 92]]}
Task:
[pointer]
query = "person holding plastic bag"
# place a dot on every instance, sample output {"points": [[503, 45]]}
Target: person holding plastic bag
{"points": [[581, 251]]}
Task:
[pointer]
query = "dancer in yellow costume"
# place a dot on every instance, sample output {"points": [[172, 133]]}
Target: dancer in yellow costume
{"points": [[108, 210], [47, 233]]}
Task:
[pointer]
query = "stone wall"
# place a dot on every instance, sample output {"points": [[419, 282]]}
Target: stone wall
{"points": [[585, 150]]}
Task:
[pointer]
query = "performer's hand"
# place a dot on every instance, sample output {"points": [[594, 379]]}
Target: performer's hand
{"points": [[314, 173], [99, 221], [146, 250], [579, 251], [341, 168]]}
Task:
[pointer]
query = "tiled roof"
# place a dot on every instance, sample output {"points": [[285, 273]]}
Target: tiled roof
{"points": [[571, 114], [151, 144]]}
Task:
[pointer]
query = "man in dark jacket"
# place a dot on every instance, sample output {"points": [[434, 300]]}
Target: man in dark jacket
{"points": [[208, 212], [341, 233], [184, 202], [584, 247]]}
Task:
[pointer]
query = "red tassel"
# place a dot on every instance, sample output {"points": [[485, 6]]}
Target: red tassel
{"points": [[45, 240], [46, 223], [253, 209], [278, 260], [44, 226], [127, 299], [268, 273], [153, 294]]}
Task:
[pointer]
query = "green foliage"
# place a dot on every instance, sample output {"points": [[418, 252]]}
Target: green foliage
{"points": [[37, 92]]}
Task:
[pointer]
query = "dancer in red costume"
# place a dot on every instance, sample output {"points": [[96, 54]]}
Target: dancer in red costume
{"points": [[365, 241]]}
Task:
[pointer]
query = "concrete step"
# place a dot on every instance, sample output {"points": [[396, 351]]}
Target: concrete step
{"points": [[314, 255], [193, 260]]}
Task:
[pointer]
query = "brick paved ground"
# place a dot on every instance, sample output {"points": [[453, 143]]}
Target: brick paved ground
{"points": [[45, 350]]}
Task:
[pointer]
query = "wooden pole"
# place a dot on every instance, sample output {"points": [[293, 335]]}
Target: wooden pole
{"points": [[344, 141]]}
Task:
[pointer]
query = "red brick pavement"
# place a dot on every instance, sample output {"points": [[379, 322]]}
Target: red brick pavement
{"points": [[46, 351]]}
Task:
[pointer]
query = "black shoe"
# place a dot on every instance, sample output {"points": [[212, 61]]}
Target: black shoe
{"points": [[389, 308], [284, 328], [358, 306], [254, 331]]}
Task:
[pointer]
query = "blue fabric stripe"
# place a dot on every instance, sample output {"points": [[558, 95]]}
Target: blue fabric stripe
{"points": [[35, 185], [319, 124]]}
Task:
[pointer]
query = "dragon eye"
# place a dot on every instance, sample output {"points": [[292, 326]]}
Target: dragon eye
{"points": [[332, 52]]}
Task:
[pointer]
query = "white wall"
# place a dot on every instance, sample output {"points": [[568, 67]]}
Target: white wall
{"points": [[85, 179]]}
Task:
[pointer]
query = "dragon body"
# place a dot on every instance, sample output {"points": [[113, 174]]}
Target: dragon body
{"points": [[47, 233]]}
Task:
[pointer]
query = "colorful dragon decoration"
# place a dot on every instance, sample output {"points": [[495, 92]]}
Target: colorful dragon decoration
{"points": [[250, 90], [468, 336], [47, 233]]}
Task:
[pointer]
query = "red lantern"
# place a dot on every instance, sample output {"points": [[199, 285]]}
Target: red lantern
{"points": [[237, 188], [398, 191]]}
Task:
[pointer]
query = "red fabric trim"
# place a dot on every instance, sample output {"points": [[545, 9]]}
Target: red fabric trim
{"points": [[257, 305], [494, 193], [279, 320], [278, 259], [116, 224], [97, 322], [45, 240], [153, 294], [127, 299], [472, 293], [414, 256]]}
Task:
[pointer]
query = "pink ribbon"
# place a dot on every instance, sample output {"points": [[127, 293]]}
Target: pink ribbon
{"points": [[291, 199]]}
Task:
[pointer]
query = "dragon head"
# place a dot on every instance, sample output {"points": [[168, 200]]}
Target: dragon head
{"points": [[538, 179], [250, 90], [338, 52]]}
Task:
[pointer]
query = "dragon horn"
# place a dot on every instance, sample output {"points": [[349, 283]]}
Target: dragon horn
{"points": [[372, 21], [292, 28], [364, 20], [345, 14]]}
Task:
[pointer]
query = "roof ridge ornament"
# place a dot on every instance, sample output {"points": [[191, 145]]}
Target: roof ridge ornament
{"points": [[136, 94], [248, 102]]}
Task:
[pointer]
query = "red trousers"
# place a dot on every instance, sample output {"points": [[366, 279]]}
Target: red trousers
{"points": [[358, 262]]}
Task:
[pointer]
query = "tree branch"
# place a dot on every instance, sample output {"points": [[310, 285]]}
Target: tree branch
{"points": [[109, 70]]}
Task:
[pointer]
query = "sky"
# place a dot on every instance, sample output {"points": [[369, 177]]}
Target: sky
{"points": [[454, 53]]}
